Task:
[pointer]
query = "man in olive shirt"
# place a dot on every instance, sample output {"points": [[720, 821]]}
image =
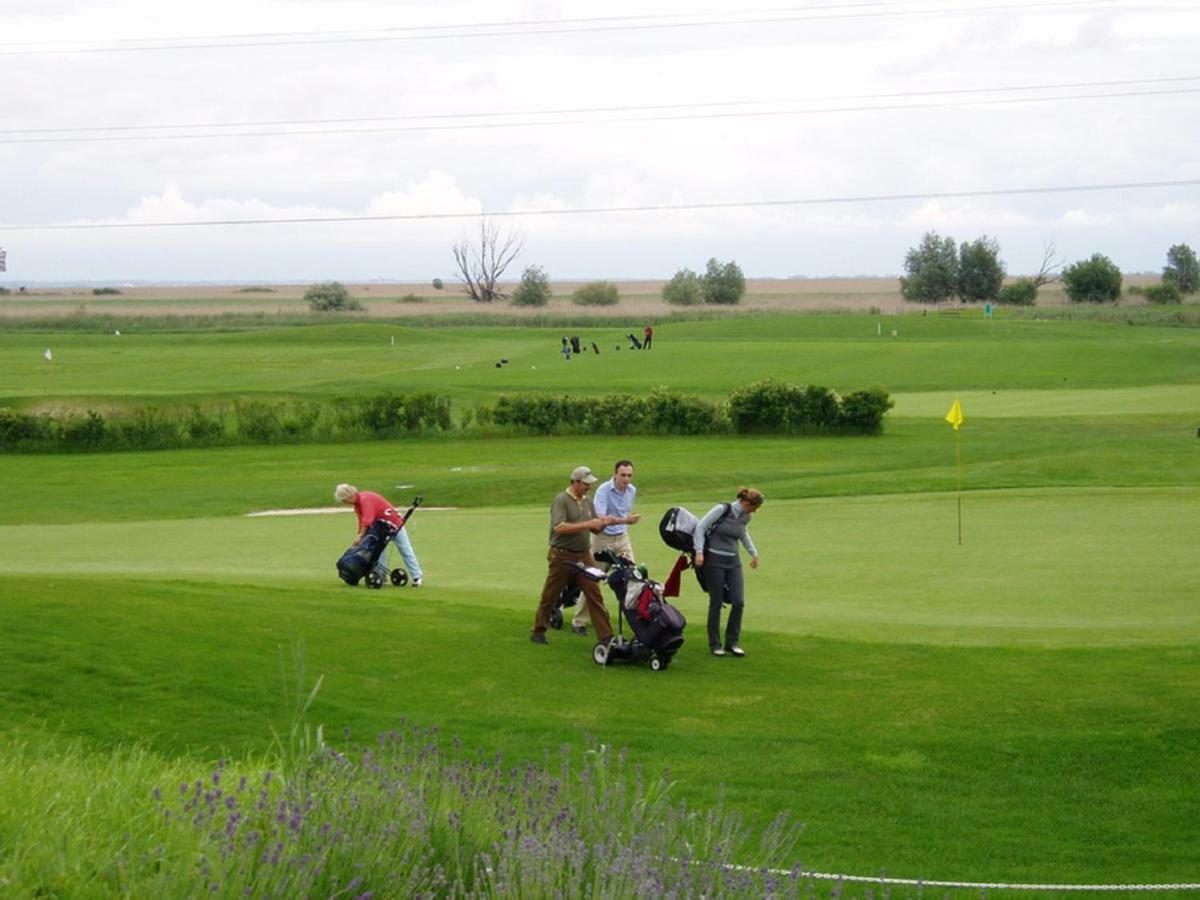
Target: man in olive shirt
{"points": [[573, 521]]}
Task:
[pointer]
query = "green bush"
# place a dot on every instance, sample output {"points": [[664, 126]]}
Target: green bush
{"points": [[668, 413], [596, 293], [20, 431], [862, 411], [1022, 292], [684, 289], [100, 292], [330, 296], [89, 432], [147, 429], [438, 284], [534, 289], [202, 428], [1182, 268], [980, 271], [1093, 280], [773, 407], [1166, 293], [723, 284], [257, 422], [411, 298]]}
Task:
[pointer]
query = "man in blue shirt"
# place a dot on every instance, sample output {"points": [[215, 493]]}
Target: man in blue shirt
{"points": [[613, 498]]}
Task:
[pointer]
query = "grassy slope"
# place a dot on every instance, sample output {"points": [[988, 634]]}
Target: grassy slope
{"points": [[1021, 707]]}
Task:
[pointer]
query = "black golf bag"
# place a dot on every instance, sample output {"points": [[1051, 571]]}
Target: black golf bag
{"points": [[360, 559], [677, 528], [656, 626], [566, 600]]}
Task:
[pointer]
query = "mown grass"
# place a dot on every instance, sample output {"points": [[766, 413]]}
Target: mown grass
{"points": [[1021, 707]]}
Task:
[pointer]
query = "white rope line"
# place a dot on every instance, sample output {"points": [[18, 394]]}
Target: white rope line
{"points": [[972, 885]]}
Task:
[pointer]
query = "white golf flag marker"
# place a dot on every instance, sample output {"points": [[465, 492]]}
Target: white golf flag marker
{"points": [[49, 356]]}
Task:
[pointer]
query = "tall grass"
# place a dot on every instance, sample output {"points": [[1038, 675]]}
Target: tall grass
{"points": [[404, 816]]}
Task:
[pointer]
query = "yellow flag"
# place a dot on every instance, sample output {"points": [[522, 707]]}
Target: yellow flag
{"points": [[955, 416]]}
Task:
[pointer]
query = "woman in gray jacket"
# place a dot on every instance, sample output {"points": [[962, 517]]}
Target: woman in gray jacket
{"points": [[716, 553]]}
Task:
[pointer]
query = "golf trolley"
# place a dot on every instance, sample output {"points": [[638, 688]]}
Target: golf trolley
{"points": [[359, 562], [656, 626]]}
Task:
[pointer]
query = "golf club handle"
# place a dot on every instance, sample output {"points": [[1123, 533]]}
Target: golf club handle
{"points": [[417, 501]]}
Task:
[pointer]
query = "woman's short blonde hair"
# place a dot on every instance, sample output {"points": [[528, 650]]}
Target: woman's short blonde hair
{"points": [[345, 493]]}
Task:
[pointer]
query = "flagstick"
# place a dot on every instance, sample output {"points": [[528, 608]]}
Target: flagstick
{"points": [[958, 470]]}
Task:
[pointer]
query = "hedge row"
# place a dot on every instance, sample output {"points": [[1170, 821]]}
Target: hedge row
{"points": [[243, 422], [766, 407]]}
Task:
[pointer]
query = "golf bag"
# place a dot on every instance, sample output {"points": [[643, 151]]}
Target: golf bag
{"points": [[362, 557], [566, 600], [677, 529], [360, 560], [657, 626], [634, 343]]}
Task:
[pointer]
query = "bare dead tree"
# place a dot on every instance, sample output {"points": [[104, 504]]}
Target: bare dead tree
{"points": [[481, 265], [1051, 263]]}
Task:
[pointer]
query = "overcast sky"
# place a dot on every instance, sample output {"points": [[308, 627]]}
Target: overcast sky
{"points": [[427, 110]]}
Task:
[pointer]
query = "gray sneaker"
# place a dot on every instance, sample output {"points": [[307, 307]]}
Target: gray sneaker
{"points": [[578, 629], [735, 650], [538, 638], [718, 651]]}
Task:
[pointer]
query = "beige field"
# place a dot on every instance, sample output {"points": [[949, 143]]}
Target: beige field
{"points": [[642, 299]]}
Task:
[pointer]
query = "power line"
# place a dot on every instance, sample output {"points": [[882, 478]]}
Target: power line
{"points": [[486, 126], [564, 26], [664, 207], [435, 117]]}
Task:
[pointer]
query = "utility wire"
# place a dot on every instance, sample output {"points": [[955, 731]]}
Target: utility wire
{"points": [[606, 210], [483, 126], [435, 117], [567, 26]]}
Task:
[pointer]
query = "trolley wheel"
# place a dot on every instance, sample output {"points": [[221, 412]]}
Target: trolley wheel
{"points": [[656, 664], [374, 580], [600, 654], [556, 618], [399, 577]]}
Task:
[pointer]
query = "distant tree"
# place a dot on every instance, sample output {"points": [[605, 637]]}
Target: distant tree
{"points": [[723, 284], [1092, 280], [1051, 263], [534, 289], [1182, 269], [596, 293], [438, 284], [931, 270], [329, 296], [481, 264], [980, 270], [684, 289]]}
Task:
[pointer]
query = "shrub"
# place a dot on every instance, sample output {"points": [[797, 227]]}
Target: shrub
{"points": [[147, 429], [438, 284], [255, 289], [723, 284], [862, 411], [1022, 292], [329, 296], [596, 293], [203, 428], [411, 298], [257, 422], [99, 292], [1093, 280], [534, 289], [4, 292], [684, 289], [1165, 293], [87, 433], [668, 413], [19, 430]]}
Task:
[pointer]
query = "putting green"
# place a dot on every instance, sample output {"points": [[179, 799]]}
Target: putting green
{"points": [[1062, 567]]}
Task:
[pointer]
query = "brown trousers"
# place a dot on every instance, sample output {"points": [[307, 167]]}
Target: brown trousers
{"points": [[561, 573]]}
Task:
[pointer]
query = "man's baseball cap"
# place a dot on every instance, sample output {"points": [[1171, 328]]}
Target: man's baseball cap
{"points": [[584, 474]]}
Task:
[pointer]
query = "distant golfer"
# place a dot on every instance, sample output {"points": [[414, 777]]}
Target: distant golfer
{"points": [[370, 506], [573, 521], [649, 337]]}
